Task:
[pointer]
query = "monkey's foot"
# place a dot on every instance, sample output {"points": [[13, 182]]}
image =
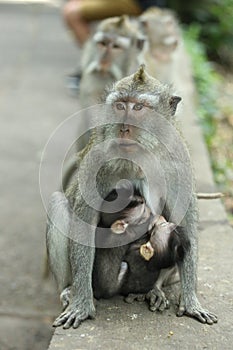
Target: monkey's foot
{"points": [[195, 310], [75, 314], [157, 300], [134, 297], [65, 297]]}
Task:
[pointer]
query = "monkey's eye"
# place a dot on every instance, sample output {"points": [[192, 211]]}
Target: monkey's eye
{"points": [[138, 106], [116, 46], [102, 43], [120, 106]]}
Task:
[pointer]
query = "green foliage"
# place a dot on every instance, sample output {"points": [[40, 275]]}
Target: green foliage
{"points": [[222, 14], [217, 28], [208, 109], [211, 35], [206, 81], [215, 18]]}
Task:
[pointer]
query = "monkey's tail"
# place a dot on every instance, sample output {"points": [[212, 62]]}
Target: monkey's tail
{"points": [[209, 195]]}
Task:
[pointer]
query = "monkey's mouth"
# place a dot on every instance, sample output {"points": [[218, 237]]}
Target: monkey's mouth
{"points": [[128, 148], [127, 143]]}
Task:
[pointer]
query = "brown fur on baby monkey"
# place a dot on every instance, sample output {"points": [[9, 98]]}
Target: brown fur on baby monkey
{"points": [[152, 262], [165, 247]]}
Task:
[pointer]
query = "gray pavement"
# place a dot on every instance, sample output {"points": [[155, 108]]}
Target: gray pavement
{"points": [[36, 54]]}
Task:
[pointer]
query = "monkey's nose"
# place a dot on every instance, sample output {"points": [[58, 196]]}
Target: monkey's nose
{"points": [[125, 129]]}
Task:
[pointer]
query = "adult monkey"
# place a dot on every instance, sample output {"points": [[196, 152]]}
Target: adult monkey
{"points": [[108, 56], [164, 52], [133, 99]]}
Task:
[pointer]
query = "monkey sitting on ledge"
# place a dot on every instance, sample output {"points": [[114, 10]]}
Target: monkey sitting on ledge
{"points": [[146, 148]]}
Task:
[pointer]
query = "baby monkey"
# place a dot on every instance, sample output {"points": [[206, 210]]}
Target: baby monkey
{"points": [[141, 265], [164, 247], [151, 261]]}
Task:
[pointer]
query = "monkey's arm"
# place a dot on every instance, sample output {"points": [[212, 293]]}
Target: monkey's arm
{"points": [[189, 303], [70, 260], [81, 303], [58, 224]]}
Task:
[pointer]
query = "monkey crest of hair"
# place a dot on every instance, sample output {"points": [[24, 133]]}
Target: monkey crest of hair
{"points": [[152, 11], [143, 87], [156, 12], [121, 25], [140, 81]]}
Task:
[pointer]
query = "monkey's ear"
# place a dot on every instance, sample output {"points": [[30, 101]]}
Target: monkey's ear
{"points": [[122, 20], [173, 102], [143, 23], [119, 226], [167, 226], [170, 226]]}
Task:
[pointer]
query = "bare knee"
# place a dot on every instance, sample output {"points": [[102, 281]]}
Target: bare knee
{"points": [[71, 12]]}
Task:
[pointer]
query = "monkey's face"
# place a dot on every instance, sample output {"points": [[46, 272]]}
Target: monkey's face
{"points": [[136, 212], [158, 243], [111, 50], [162, 31], [128, 113], [131, 216], [160, 234], [142, 111]]}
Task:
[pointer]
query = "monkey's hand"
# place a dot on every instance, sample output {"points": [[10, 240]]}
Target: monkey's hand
{"points": [[157, 300], [75, 313], [193, 308]]}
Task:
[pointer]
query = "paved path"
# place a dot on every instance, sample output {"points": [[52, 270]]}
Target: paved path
{"points": [[36, 54]]}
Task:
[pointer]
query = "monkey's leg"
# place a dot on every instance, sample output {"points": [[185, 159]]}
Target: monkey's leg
{"points": [[156, 297], [81, 257], [70, 262], [57, 239], [109, 271], [189, 303]]}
